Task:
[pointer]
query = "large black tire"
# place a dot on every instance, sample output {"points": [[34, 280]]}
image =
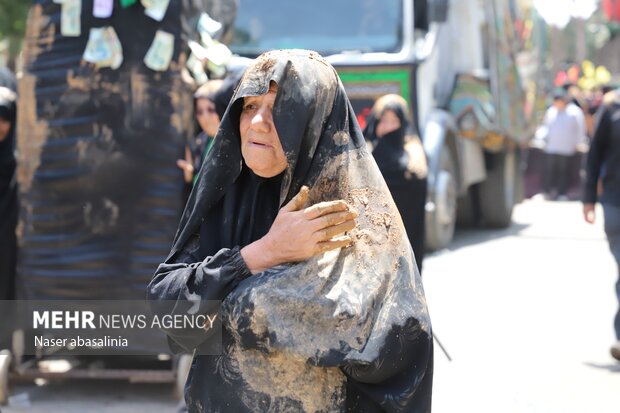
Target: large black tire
{"points": [[498, 192], [441, 205]]}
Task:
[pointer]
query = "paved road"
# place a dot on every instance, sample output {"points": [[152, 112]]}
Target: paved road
{"points": [[524, 312], [92, 396]]}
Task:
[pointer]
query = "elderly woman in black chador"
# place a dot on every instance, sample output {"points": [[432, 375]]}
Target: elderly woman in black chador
{"points": [[291, 226], [401, 159], [8, 194]]}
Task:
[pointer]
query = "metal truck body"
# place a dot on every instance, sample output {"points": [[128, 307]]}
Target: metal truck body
{"points": [[454, 63]]}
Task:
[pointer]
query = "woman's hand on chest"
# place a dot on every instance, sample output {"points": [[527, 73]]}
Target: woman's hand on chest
{"points": [[298, 233]]}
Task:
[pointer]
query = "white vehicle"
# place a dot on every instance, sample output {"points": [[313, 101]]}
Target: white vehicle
{"points": [[456, 65]]}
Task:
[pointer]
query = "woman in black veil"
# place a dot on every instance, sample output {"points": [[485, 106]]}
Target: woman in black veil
{"points": [[402, 162], [292, 228]]}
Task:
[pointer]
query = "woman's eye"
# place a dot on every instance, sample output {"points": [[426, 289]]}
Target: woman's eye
{"points": [[249, 106]]}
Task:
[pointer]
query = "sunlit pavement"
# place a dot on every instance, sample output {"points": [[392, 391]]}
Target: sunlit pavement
{"points": [[92, 396], [526, 315]]}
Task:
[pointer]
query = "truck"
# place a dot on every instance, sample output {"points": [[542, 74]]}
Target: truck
{"points": [[464, 67]]}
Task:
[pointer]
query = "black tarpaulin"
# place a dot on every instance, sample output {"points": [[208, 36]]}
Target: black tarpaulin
{"points": [[100, 190]]}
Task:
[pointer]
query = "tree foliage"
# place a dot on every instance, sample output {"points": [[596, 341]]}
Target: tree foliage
{"points": [[13, 15]]}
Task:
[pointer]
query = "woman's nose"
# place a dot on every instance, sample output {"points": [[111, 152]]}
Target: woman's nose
{"points": [[261, 119]]}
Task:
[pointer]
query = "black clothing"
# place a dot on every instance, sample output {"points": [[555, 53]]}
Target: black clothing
{"points": [[604, 161], [395, 153], [612, 231], [199, 148], [347, 330], [8, 199], [604, 157], [556, 173]]}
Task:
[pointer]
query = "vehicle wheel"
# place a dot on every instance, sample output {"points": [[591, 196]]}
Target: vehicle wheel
{"points": [[5, 362], [497, 192], [184, 363], [441, 208]]}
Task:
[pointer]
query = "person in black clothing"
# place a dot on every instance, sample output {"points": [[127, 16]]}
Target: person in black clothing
{"points": [[210, 103], [291, 226], [208, 121], [401, 159], [604, 163], [222, 96], [8, 194]]}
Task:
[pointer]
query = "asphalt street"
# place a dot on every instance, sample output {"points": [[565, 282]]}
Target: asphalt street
{"points": [[526, 315]]}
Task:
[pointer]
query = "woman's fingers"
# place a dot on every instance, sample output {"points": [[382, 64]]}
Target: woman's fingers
{"points": [[332, 244], [323, 208], [330, 232], [298, 200], [316, 229], [334, 218]]}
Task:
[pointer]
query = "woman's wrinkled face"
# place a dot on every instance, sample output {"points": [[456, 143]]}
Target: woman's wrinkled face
{"points": [[260, 144], [206, 116], [388, 123]]}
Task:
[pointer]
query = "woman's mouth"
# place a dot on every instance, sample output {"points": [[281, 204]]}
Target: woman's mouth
{"points": [[260, 144]]}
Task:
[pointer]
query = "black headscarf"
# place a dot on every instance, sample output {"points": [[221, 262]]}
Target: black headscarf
{"points": [[357, 314], [299, 128], [389, 152]]}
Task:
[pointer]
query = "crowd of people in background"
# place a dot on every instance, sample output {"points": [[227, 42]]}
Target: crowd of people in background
{"points": [[565, 132]]}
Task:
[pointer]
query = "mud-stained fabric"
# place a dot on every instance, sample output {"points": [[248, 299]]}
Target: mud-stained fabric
{"points": [[347, 330], [401, 159]]}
